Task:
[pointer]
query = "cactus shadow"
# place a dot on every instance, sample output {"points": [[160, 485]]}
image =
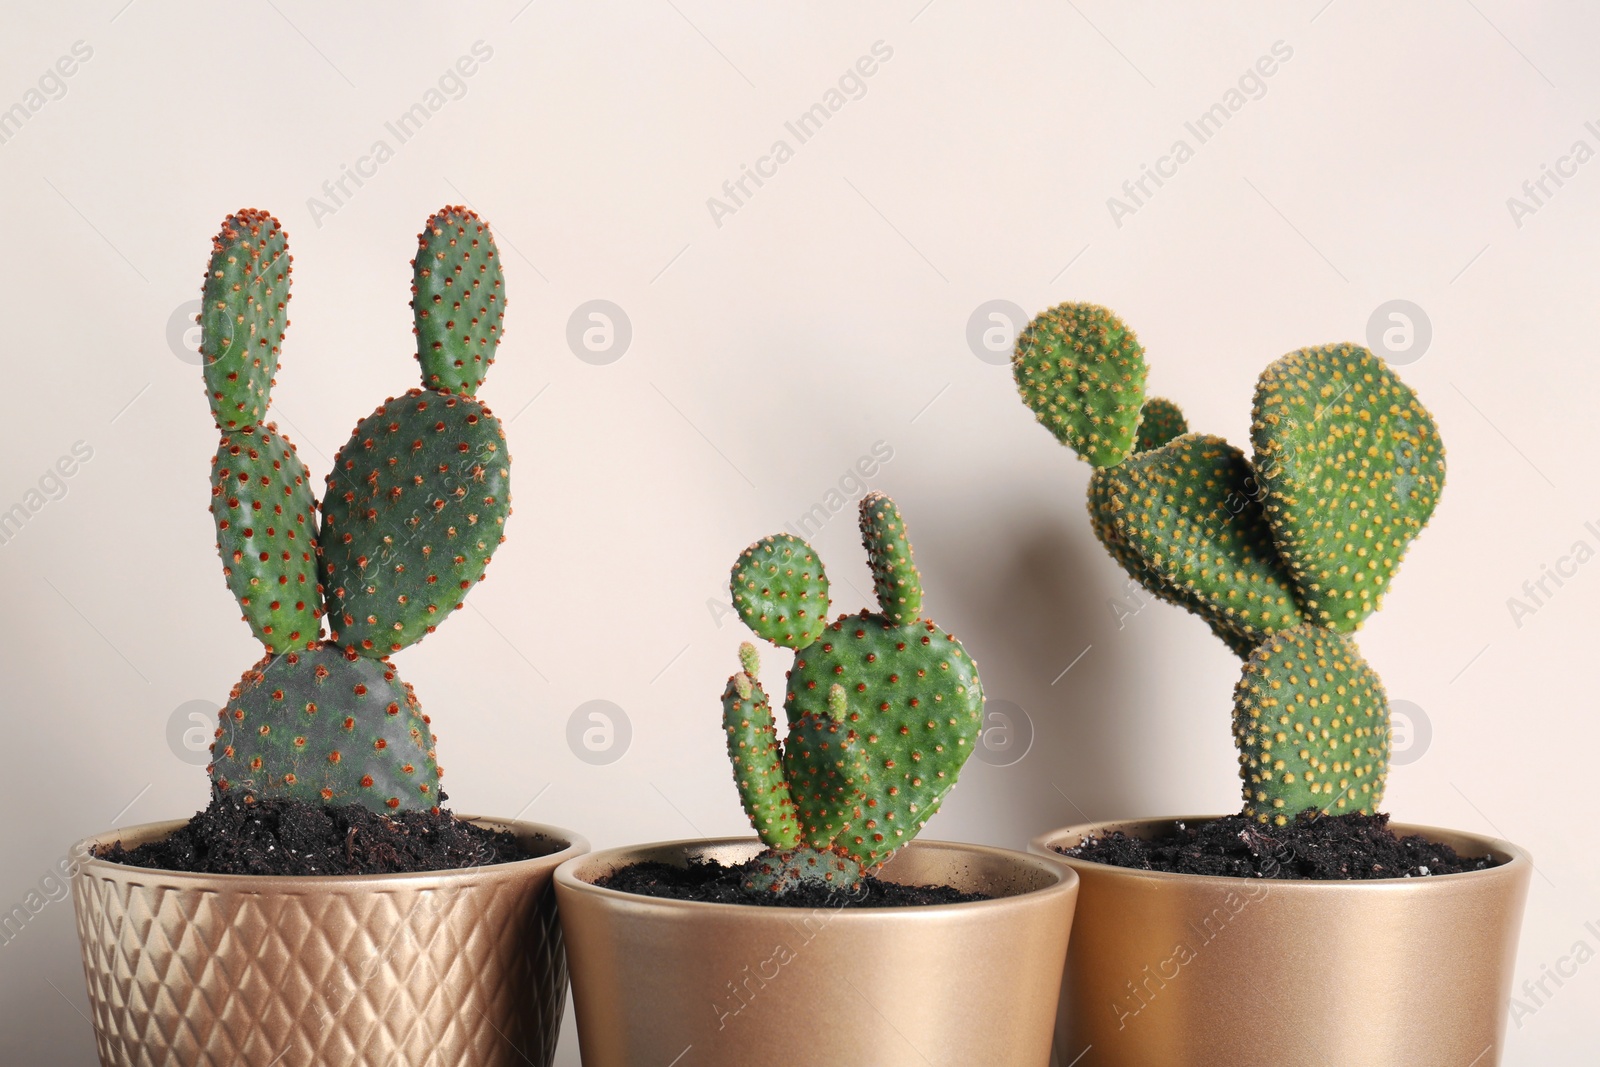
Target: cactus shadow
{"points": [[1051, 645]]}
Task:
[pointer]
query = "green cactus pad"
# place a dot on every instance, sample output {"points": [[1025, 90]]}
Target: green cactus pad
{"points": [[1189, 511], [1083, 373], [894, 571], [243, 313], [458, 300], [824, 764], [757, 763], [266, 524], [1353, 467], [780, 872], [415, 505], [326, 728], [916, 708], [1160, 421], [1312, 725], [781, 590]]}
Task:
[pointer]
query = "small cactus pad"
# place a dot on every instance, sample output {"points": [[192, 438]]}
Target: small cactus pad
{"points": [[325, 728], [757, 765], [782, 871], [1190, 511], [266, 524], [416, 504], [1160, 420], [1312, 725], [1083, 373], [1353, 466], [916, 707], [894, 572], [781, 591], [458, 300], [825, 764], [243, 313]]}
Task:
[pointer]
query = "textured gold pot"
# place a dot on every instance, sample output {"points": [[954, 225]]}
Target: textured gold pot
{"points": [[460, 967], [1181, 970], [659, 982]]}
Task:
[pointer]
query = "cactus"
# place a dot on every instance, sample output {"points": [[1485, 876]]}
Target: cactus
{"points": [[883, 710], [1283, 553], [413, 509]]}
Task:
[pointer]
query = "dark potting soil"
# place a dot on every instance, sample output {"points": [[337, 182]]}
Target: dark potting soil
{"points": [[284, 836], [1330, 848], [716, 883]]}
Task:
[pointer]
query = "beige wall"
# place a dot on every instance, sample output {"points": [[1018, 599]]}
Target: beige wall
{"points": [[774, 345]]}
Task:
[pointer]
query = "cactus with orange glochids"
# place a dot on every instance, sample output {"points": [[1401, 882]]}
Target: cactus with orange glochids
{"points": [[411, 513], [1283, 553]]}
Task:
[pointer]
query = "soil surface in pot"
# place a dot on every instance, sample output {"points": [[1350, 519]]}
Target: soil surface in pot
{"points": [[1330, 848], [283, 836], [716, 883]]}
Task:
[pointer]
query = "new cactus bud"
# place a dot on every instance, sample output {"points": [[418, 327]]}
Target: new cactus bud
{"points": [[243, 314], [1160, 421], [883, 709], [457, 300]]}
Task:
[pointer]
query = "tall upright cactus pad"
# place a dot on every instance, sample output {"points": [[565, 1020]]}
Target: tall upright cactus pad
{"points": [[458, 300], [244, 310], [780, 590], [883, 710], [415, 506], [1353, 467], [1312, 725], [1082, 371], [326, 728], [894, 572], [1160, 421], [752, 739], [1190, 512], [266, 523]]}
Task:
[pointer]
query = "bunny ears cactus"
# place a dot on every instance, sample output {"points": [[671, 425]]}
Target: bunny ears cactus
{"points": [[412, 511], [882, 708], [1282, 553]]}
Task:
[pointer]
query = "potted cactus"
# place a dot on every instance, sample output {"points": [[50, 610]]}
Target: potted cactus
{"points": [[833, 932], [1320, 911], [412, 935]]}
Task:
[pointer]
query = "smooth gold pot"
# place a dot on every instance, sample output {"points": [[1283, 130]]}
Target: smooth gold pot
{"points": [[659, 982], [1182, 970], [461, 967]]}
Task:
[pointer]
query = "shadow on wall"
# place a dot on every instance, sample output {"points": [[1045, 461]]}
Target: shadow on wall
{"points": [[1049, 648]]}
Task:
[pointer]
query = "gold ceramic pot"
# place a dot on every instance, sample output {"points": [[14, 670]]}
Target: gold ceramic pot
{"points": [[658, 982], [461, 967], [1181, 970]]}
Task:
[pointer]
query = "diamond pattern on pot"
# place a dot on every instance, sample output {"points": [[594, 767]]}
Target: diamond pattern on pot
{"points": [[460, 968]]}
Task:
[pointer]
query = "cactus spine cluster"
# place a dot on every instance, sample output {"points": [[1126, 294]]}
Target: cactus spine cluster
{"points": [[1283, 553], [883, 710], [413, 509]]}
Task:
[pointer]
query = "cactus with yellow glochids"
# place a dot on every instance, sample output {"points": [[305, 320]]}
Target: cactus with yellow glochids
{"points": [[1284, 553], [413, 509], [883, 709]]}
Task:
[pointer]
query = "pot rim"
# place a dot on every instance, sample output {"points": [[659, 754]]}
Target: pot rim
{"points": [[567, 879], [1515, 859], [576, 845]]}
